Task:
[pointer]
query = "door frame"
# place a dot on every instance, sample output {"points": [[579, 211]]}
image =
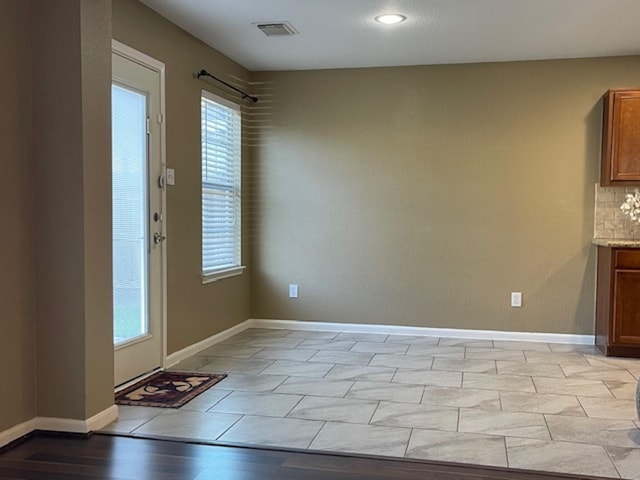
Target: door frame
{"points": [[158, 67]]}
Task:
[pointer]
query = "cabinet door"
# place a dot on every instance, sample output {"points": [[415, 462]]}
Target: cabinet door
{"points": [[626, 310], [621, 138]]}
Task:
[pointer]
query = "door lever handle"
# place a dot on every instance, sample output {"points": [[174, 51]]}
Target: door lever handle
{"points": [[158, 237]]}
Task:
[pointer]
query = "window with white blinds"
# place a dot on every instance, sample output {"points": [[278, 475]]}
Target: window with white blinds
{"points": [[221, 225]]}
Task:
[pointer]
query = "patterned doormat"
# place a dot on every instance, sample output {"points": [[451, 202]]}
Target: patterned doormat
{"points": [[167, 389]]}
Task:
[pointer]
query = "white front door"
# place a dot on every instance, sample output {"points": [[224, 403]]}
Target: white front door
{"points": [[137, 214]]}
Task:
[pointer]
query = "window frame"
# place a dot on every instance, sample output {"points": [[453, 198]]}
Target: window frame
{"points": [[214, 273]]}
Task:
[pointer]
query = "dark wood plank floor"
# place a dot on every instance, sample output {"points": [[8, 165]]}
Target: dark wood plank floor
{"points": [[111, 457]]}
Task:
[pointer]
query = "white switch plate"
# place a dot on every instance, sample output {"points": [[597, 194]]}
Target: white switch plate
{"points": [[293, 290], [171, 176], [516, 299]]}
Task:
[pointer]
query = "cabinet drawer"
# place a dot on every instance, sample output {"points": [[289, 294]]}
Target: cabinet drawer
{"points": [[627, 258]]}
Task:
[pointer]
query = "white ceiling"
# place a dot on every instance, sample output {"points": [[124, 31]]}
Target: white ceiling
{"points": [[342, 33]]}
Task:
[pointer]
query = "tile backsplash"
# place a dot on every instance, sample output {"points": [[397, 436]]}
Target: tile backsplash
{"points": [[609, 221]]}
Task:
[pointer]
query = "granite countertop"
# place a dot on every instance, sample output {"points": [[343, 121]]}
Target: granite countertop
{"points": [[616, 243]]}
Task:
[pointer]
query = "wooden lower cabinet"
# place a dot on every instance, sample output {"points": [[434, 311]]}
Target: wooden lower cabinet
{"points": [[618, 302]]}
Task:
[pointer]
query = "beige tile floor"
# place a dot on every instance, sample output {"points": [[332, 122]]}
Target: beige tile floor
{"points": [[551, 407]]}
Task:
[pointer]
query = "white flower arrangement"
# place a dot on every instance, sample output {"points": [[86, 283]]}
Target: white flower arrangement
{"points": [[631, 206]]}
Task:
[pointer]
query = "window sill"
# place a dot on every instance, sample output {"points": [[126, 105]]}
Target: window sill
{"points": [[221, 274]]}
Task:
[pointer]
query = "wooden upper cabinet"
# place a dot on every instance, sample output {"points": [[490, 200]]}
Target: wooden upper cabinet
{"points": [[621, 138]]}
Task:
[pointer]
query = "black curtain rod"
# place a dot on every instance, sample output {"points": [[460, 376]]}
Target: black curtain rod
{"points": [[204, 73]]}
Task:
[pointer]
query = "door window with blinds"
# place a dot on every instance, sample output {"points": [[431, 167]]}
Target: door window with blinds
{"points": [[221, 201]]}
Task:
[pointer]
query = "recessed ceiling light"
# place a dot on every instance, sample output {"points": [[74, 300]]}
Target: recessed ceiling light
{"points": [[391, 18]]}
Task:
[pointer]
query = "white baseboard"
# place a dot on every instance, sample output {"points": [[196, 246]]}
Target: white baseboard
{"points": [[187, 352], [206, 343], [54, 424], [422, 331], [17, 431], [102, 419]]}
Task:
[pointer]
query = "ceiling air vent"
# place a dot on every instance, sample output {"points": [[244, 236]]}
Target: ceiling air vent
{"points": [[277, 29]]}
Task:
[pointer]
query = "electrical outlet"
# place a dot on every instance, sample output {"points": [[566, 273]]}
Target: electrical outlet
{"points": [[516, 299], [293, 290]]}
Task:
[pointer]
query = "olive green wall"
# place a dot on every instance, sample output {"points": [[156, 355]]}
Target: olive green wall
{"points": [[17, 256], [423, 196], [55, 245], [95, 35], [194, 311], [71, 105]]}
